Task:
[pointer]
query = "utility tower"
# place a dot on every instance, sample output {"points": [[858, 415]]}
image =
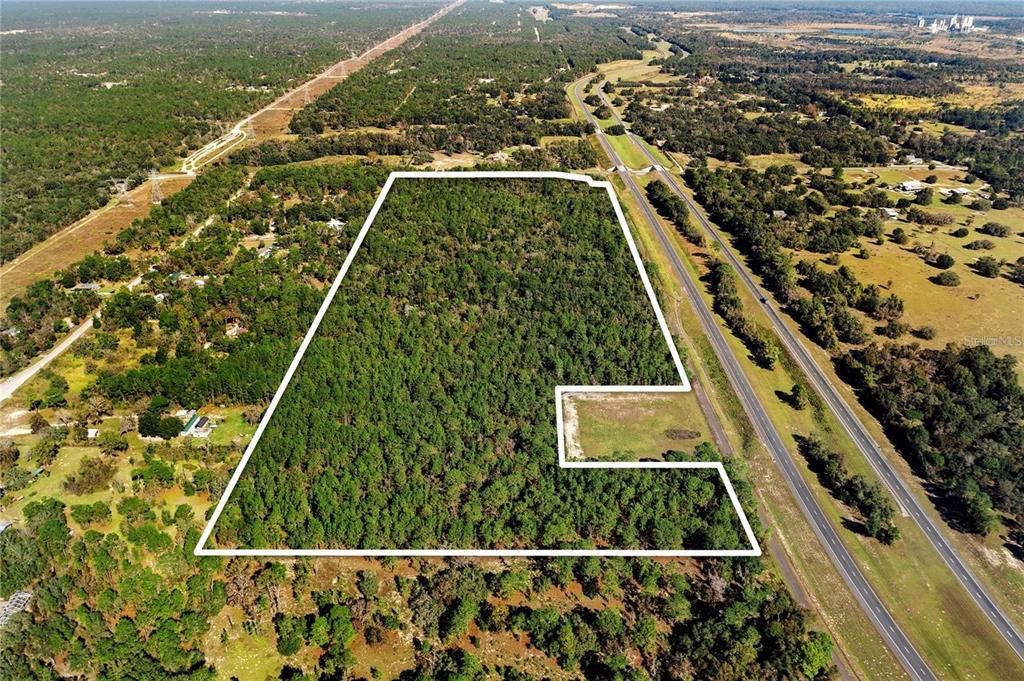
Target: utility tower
{"points": [[119, 185], [156, 195]]}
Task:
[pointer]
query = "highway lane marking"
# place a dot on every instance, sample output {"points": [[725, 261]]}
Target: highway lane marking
{"points": [[908, 504], [913, 663]]}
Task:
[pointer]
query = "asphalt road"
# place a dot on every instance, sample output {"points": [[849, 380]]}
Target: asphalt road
{"points": [[15, 381], [872, 605], [10, 384], [823, 385]]}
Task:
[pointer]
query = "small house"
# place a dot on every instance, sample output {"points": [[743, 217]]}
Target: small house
{"points": [[204, 426], [92, 433], [910, 186], [190, 424]]}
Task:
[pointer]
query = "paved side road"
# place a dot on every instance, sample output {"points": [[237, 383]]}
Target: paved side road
{"points": [[897, 640], [824, 386], [11, 384]]}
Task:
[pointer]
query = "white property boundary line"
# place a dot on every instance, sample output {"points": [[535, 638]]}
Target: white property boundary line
{"points": [[684, 386]]}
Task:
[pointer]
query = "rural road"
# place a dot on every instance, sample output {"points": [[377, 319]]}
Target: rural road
{"points": [[336, 72], [824, 386], [203, 156], [890, 631], [9, 385], [15, 381]]}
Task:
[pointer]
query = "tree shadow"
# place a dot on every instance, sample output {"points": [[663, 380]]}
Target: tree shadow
{"points": [[855, 526], [948, 509], [1015, 540]]}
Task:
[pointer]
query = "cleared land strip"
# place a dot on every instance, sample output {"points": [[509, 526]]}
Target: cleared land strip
{"points": [[824, 386], [88, 234], [873, 607]]}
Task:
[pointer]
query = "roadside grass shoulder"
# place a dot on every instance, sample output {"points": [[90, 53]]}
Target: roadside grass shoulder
{"points": [[839, 612], [925, 598]]}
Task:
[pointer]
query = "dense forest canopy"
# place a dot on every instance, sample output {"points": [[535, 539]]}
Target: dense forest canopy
{"points": [[434, 371], [469, 453], [112, 90], [468, 86]]}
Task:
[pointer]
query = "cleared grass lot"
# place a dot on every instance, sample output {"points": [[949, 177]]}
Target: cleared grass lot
{"points": [[636, 426], [840, 614]]}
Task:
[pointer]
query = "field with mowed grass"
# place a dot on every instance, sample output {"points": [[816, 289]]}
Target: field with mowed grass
{"points": [[635, 426]]}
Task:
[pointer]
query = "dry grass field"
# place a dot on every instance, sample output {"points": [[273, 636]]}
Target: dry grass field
{"points": [[81, 238], [88, 234], [980, 309]]}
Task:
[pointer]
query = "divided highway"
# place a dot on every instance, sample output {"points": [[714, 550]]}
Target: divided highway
{"points": [[821, 383], [872, 605]]}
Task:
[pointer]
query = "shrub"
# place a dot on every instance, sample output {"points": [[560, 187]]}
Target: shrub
{"points": [[895, 329], [994, 229], [798, 397], [92, 476], [923, 217], [987, 266], [8, 453], [944, 261], [980, 245], [88, 514], [151, 425], [960, 232], [947, 279]]}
